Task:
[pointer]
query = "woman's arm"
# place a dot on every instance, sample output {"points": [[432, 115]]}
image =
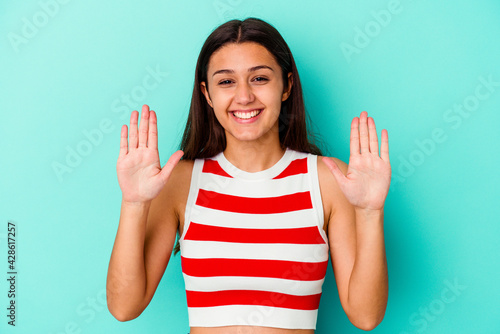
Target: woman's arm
{"points": [[148, 219], [142, 248], [354, 198]]}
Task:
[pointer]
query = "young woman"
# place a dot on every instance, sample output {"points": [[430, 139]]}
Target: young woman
{"points": [[258, 211]]}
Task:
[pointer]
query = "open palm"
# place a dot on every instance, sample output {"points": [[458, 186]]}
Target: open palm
{"points": [[368, 176], [140, 175]]}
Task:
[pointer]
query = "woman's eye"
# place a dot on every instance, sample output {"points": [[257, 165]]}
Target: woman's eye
{"points": [[228, 82]]}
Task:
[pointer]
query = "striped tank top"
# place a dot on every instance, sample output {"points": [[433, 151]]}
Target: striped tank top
{"points": [[253, 248]]}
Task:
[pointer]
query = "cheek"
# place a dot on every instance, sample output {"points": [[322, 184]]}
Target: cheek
{"points": [[273, 99], [220, 106], [276, 93], [220, 98]]}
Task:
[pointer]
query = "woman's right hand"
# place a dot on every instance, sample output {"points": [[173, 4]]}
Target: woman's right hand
{"points": [[140, 175]]}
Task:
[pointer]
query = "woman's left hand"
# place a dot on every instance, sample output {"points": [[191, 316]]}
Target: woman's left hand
{"points": [[368, 176]]}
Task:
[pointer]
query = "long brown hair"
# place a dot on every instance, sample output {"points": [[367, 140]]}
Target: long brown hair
{"points": [[204, 137]]}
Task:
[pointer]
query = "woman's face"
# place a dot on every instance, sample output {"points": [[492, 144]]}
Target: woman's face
{"points": [[245, 89]]}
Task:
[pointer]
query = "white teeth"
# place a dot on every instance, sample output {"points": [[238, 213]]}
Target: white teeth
{"points": [[246, 115]]}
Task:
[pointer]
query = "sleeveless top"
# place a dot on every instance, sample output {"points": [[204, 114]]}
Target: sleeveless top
{"points": [[253, 248]]}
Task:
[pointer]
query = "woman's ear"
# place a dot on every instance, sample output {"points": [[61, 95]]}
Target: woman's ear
{"points": [[288, 89], [204, 90]]}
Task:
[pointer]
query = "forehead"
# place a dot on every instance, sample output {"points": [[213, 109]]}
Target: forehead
{"points": [[241, 56]]}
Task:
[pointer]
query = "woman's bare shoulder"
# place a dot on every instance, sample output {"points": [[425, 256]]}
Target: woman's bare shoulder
{"points": [[325, 175], [321, 164], [331, 194], [172, 198], [182, 171], [180, 179]]}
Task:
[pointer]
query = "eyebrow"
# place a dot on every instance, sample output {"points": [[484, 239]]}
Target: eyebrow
{"points": [[251, 69]]}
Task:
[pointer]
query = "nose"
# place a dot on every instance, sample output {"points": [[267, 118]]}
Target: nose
{"points": [[243, 93]]}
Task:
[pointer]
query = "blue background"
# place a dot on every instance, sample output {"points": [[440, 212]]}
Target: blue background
{"points": [[67, 70]]}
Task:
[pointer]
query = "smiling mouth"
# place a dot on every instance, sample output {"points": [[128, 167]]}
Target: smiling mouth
{"points": [[247, 114]]}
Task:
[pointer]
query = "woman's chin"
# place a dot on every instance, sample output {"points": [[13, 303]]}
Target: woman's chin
{"points": [[256, 137]]}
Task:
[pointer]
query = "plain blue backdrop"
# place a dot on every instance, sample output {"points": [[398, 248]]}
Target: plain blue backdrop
{"points": [[428, 71]]}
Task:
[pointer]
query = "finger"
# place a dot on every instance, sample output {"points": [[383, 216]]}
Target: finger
{"points": [[169, 166], [153, 131], [123, 142], [144, 126], [354, 136], [363, 132], [132, 142], [372, 134], [337, 173], [384, 148]]}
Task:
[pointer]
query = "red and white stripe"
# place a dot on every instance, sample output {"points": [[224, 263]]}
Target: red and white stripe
{"points": [[253, 249]]}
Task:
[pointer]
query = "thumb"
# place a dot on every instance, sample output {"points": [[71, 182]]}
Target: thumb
{"points": [[169, 166], [334, 168]]}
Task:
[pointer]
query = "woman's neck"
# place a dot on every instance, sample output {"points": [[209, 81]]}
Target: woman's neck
{"points": [[253, 156]]}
